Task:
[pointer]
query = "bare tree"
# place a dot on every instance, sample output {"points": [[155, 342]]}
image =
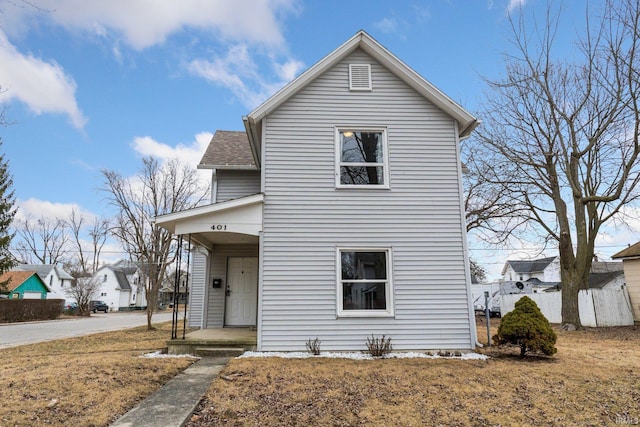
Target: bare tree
{"points": [[157, 189], [86, 260], [41, 241], [563, 136], [83, 290]]}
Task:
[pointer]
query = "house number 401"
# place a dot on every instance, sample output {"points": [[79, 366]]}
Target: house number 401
{"points": [[219, 227]]}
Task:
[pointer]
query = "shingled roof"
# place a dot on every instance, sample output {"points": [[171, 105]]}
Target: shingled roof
{"points": [[17, 278], [228, 150], [632, 251], [530, 266]]}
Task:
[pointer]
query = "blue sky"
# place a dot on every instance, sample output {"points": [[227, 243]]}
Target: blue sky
{"points": [[93, 84]]}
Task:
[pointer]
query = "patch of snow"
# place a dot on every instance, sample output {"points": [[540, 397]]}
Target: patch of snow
{"points": [[159, 355], [360, 356]]}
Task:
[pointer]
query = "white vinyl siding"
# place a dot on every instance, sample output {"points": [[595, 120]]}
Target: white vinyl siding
{"points": [[218, 270], [233, 184], [198, 289], [306, 219]]}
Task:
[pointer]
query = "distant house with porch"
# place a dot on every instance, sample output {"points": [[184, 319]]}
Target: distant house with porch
{"points": [[24, 285], [337, 213]]}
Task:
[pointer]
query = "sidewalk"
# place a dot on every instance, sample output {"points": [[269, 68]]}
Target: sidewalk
{"points": [[173, 404]]}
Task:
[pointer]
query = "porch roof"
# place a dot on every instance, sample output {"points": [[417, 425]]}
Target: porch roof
{"points": [[235, 221]]}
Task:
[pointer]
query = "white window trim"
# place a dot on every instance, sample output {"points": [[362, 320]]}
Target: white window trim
{"points": [[384, 164], [389, 290]]}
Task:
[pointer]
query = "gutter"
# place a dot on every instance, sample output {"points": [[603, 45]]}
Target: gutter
{"points": [[253, 140]]}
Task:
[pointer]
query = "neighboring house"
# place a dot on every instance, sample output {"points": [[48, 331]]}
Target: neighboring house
{"points": [[24, 284], [631, 263], [337, 214], [544, 270], [543, 275], [121, 286], [168, 289], [57, 280], [606, 275]]}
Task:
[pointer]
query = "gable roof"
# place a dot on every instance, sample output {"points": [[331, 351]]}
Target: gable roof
{"points": [[599, 280], [361, 40], [632, 251], [43, 270], [121, 277], [228, 150], [529, 266], [17, 278]]}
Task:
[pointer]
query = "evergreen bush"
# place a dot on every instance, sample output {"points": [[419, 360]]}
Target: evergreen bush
{"points": [[527, 328]]}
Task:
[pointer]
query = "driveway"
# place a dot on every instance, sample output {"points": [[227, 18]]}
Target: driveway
{"points": [[15, 334]]}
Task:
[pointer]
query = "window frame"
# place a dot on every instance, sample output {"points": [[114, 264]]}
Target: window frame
{"points": [[389, 288], [339, 163]]}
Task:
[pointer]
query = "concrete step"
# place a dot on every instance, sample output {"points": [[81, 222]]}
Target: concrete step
{"points": [[219, 351]]}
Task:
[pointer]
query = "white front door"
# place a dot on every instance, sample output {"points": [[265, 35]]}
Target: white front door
{"points": [[242, 291]]}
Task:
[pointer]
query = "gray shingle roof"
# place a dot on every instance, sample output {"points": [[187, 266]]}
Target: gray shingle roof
{"points": [[531, 266], [599, 280], [121, 277], [228, 150], [43, 270]]}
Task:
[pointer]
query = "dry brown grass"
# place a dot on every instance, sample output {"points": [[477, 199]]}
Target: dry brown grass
{"points": [[85, 381], [594, 380]]}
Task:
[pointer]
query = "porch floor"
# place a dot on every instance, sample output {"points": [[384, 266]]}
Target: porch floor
{"points": [[219, 338]]}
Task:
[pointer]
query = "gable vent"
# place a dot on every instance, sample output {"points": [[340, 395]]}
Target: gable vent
{"points": [[359, 77]]}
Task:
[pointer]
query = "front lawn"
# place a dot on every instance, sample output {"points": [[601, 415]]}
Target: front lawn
{"points": [[84, 381], [593, 380]]}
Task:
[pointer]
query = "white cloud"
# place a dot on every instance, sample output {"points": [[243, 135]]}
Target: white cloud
{"points": [[37, 208], [42, 86], [144, 23], [190, 154], [515, 4], [387, 25], [238, 72]]}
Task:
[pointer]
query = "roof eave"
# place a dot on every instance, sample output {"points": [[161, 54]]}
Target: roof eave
{"points": [[362, 40], [168, 221], [254, 139], [227, 167]]}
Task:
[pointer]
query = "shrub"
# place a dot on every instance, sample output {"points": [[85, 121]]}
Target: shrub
{"points": [[313, 346], [379, 347], [527, 328]]}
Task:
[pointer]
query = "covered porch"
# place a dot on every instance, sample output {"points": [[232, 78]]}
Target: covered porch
{"points": [[223, 273]]}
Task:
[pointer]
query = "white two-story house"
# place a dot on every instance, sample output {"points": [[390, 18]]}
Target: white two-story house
{"points": [[121, 286], [337, 213]]}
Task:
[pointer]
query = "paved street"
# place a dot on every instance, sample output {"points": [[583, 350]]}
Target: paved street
{"points": [[15, 334]]}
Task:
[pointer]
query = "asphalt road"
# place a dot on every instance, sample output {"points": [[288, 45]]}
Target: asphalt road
{"points": [[15, 334]]}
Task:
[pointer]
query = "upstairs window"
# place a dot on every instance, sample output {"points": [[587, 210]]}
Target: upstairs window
{"points": [[362, 158]]}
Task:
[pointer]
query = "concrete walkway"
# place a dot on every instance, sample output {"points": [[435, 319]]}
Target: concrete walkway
{"points": [[173, 404]]}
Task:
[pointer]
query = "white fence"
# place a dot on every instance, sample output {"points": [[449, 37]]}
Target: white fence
{"points": [[598, 307]]}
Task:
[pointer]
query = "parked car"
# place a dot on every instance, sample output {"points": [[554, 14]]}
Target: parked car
{"points": [[95, 306], [70, 305]]}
